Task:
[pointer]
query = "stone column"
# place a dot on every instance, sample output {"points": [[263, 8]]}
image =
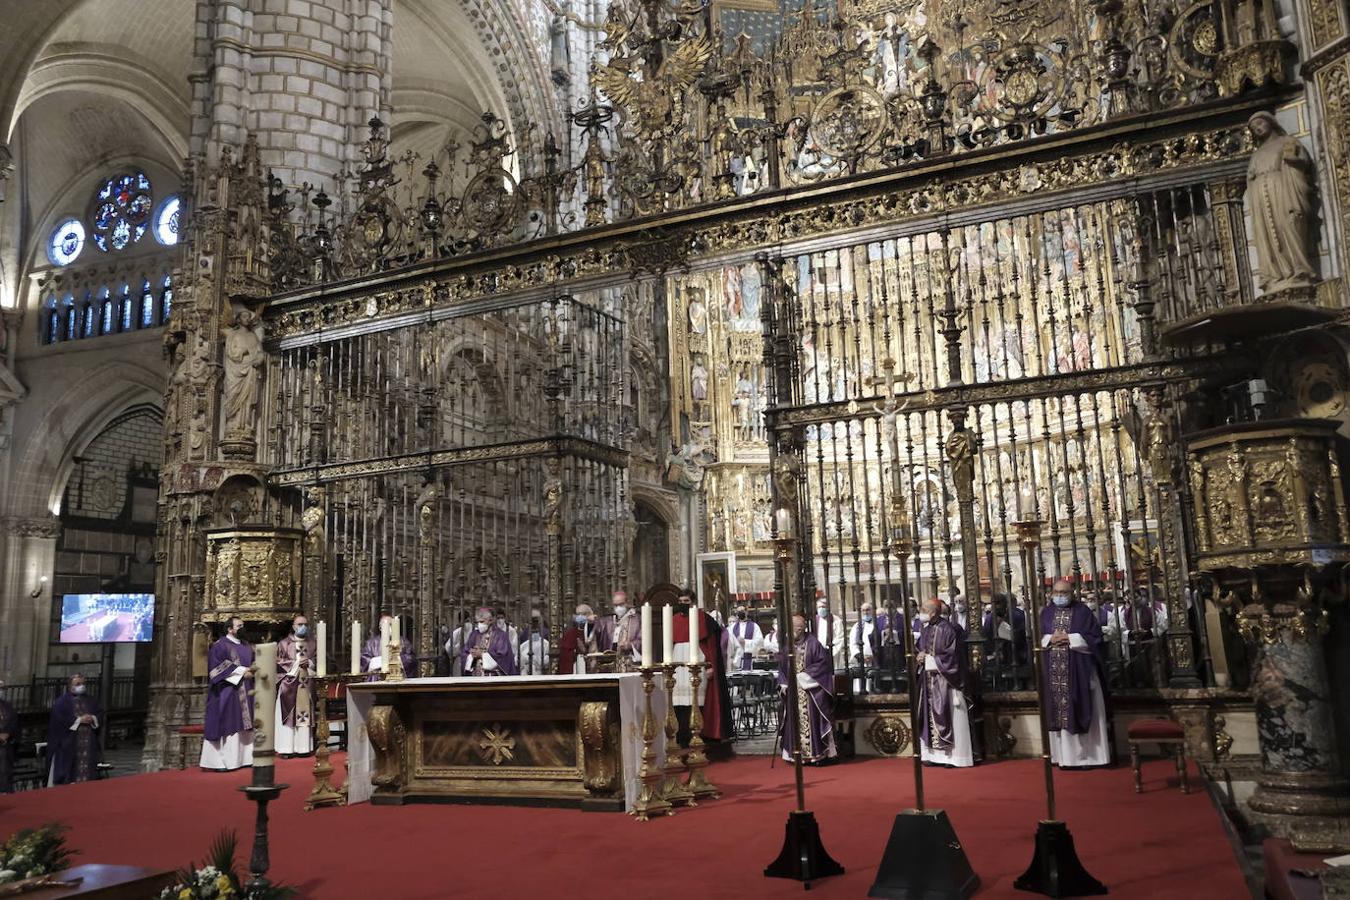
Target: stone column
{"points": [[1300, 793], [30, 554], [302, 76]]}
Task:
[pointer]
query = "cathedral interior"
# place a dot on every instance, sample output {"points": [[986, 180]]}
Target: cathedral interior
{"points": [[345, 307]]}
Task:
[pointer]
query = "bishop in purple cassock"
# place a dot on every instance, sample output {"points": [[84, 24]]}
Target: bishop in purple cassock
{"points": [[813, 729], [1075, 693], [487, 649], [72, 735], [944, 717], [227, 738]]}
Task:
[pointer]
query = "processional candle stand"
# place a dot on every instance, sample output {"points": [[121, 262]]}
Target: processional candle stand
{"points": [[923, 858], [803, 857], [263, 789], [1055, 869]]}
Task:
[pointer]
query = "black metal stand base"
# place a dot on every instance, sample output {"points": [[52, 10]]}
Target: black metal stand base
{"points": [[262, 792], [803, 858], [924, 860], [1055, 870]]}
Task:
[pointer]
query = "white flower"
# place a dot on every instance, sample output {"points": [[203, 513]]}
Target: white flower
{"points": [[7, 875]]}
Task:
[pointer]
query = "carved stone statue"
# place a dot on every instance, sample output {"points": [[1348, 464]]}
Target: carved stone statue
{"points": [[1280, 193], [560, 54], [243, 375]]}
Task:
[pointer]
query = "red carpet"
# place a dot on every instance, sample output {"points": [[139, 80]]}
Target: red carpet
{"points": [[1157, 845]]}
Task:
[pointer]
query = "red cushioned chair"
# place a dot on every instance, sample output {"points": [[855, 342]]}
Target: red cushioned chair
{"points": [[1165, 733], [186, 735]]}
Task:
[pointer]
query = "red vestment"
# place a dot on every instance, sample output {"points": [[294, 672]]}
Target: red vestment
{"points": [[716, 700]]}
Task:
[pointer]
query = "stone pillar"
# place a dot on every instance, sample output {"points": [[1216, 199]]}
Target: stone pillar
{"points": [[302, 76], [29, 556], [1300, 793]]}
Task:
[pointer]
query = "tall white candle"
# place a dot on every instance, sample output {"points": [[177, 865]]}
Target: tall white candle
{"points": [[393, 631], [264, 704], [322, 642], [384, 645], [356, 648], [695, 615], [646, 635], [668, 633]]}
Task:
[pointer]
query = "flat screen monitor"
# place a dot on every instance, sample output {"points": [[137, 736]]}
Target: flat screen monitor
{"points": [[107, 618]]}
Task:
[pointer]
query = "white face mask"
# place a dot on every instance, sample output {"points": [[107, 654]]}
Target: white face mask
{"points": [[1060, 600], [620, 610], [822, 611], [77, 689], [482, 626], [924, 617]]}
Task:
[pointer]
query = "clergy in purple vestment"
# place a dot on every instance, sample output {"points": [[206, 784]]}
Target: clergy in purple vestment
{"points": [[742, 640], [73, 735], [372, 654], [1075, 680], [227, 738], [487, 650], [944, 726], [813, 730], [296, 655], [9, 743]]}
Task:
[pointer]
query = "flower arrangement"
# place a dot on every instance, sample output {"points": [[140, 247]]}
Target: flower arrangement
{"points": [[34, 852], [216, 878]]}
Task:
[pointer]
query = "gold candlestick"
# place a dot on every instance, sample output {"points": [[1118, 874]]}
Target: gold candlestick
{"points": [[394, 664], [696, 760], [323, 793], [649, 800], [673, 788]]}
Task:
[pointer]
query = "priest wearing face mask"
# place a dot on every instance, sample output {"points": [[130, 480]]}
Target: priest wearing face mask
{"points": [[814, 724], [944, 729], [623, 632], [1075, 693], [831, 633], [487, 651], [296, 653], [743, 640], [864, 644], [582, 637], [227, 738], [73, 735]]}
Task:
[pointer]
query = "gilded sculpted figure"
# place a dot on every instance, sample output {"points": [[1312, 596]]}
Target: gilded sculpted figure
{"points": [[243, 374], [1280, 193]]}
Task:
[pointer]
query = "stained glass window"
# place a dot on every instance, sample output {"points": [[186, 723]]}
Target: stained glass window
{"points": [[168, 299], [147, 305], [107, 320], [122, 210], [166, 221], [125, 320], [72, 319], [66, 242], [51, 321], [88, 316]]}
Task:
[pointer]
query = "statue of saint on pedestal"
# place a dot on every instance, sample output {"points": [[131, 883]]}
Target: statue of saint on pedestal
{"points": [[243, 375], [1281, 196]]}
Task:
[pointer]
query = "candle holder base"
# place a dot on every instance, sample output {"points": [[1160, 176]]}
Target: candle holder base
{"points": [[649, 801], [262, 792], [1055, 870], [803, 857], [673, 790], [395, 663], [323, 793], [696, 760], [924, 859]]}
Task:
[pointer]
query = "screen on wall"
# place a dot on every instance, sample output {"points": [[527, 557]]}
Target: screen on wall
{"points": [[107, 618]]}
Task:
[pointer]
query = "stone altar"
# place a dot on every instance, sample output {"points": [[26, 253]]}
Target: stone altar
{"points": [[548, 740]]}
